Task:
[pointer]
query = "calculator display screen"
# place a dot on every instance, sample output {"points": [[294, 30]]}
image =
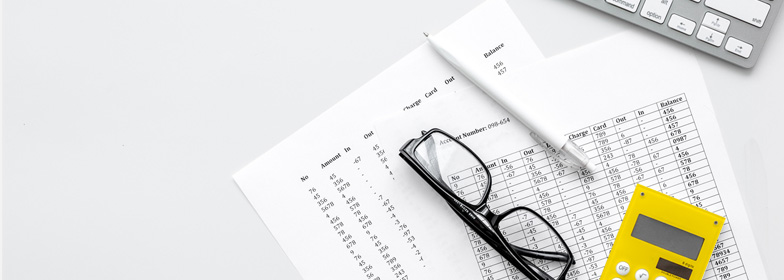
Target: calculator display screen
{"points": [[667, 237]]}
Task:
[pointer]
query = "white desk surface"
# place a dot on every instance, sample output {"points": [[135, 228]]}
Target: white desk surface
{"points": [[123, 121]]}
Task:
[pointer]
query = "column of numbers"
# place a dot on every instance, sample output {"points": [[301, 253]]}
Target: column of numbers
{"points": [[657, 146]]}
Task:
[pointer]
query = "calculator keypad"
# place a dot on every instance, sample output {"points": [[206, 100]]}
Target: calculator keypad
{"points": [[623, 268]]}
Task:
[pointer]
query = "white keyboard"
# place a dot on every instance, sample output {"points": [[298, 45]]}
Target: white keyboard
{"points": [[733, 30]]}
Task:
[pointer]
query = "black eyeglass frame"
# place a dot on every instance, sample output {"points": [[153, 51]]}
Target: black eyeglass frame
{"points": [[483, 221]]}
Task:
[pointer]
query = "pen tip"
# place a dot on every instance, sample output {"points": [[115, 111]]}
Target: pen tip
{"points": [[426, 35], [591, 168]]}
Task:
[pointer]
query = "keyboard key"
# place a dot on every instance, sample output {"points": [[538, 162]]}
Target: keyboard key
{"points": [[753, 12], [710, 36], [681, 24], [702, 24], [738, 47], [716, 22], [629, 5], [656, 10]]}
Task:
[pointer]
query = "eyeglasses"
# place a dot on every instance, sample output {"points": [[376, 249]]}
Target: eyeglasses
{"points": [[519, 234]]}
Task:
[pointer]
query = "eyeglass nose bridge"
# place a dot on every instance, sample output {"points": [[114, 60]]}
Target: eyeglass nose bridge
{"points": [[484, 210], [492, 218]]}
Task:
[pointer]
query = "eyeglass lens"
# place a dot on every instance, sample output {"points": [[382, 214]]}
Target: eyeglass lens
{"points": [[454, 165], [528, 231], [459, 169]]}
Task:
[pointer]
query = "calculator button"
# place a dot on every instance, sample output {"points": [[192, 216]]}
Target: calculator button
{"points": [[716, 22], [641, 274], [681, 24], [738, 47], [622, 268], [629, 5], [753, 12], [660, 278], [710, 36], [656, 10]]}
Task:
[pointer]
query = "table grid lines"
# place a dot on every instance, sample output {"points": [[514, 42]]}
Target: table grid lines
{"points": [[657, 145]]}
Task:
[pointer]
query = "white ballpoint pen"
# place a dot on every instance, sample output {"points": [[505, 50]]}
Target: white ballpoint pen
{"points": [[565, 150]]}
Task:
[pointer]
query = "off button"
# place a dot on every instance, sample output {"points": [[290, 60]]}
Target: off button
{"points": [[622, 268]]}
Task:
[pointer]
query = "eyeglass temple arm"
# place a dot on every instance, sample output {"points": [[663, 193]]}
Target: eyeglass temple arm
{"points": [[539, 272], [553, 256]]}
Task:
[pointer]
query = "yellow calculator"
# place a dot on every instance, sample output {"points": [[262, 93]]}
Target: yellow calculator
{"points": [[662, 238]]}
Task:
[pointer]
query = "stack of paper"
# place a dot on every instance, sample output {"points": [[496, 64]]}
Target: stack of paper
{"points": [[342, 204]]}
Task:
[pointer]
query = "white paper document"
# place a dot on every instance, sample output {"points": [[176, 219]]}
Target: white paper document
{"points": [[324, 193], [343, 204], [662, 135]]}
